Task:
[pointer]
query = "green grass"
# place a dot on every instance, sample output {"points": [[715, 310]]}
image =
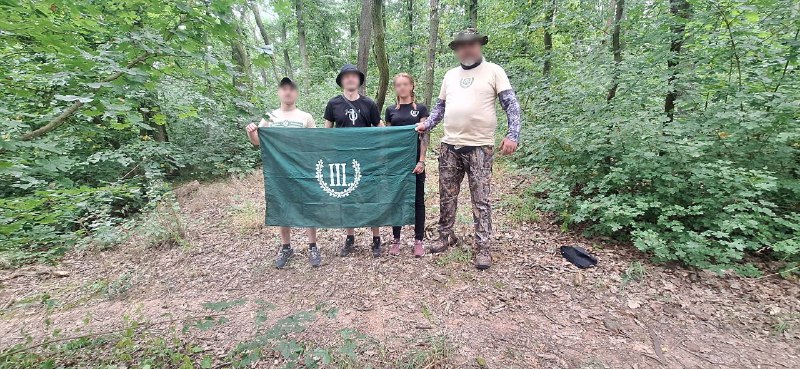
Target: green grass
{"points": [[111, 288], [432, 352], [781, 327], [519, 208], [457, 255], [635, 272]]}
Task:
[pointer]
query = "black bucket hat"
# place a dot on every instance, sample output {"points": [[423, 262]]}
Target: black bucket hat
{"points": [[286, 81], [468, 35], [349, 68]]}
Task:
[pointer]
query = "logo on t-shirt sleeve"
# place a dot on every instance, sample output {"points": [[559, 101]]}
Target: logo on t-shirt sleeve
{"points": [[466, 82]]}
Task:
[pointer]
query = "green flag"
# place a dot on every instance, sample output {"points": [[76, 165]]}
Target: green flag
{"points": [[339, 178]]}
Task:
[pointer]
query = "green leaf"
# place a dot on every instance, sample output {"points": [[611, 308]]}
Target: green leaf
{"points": [[223, 305]]}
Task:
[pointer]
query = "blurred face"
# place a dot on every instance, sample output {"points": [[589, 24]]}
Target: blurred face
{"points": [[402, 87], [351, 81], [469, 53], [287, 94]]}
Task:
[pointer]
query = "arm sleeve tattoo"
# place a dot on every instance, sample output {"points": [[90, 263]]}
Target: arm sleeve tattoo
{"points": [[437, 113], [508, 100]]}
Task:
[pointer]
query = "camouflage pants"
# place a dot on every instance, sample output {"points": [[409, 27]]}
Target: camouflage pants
{"points": [[477, 165]]}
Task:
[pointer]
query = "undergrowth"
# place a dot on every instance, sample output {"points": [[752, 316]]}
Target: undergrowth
{"points": [[168, 344]]}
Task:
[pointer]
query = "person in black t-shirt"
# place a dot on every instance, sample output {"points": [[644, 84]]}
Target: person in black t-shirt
{"points": [[407, 112], [350, 109]]}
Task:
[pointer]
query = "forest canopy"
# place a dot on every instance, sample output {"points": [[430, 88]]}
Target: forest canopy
{"points": [[672, 125]]}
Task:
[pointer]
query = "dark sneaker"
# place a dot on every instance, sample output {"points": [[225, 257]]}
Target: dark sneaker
{"points": [[314, 257], [419, 249], [395, 249], [283, 257], [347, 248], [444, 243], [376, 247], [483, 260]]}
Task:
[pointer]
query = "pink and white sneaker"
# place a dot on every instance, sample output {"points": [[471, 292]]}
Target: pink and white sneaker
{"points": [[395, 249], [419, 249]]}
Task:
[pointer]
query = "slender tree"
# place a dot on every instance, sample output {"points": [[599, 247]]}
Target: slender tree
{"points": [[148, 107], [364, 38], [353, 38], [616, 48], [288, 70], [411, 38], [244, 69], [549, 19], [472, 9], [380, 53], [301, 38], [433, 40], [265, 37], [680, 11]]}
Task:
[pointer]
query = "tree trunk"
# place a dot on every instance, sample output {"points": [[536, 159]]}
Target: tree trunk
{"points": [[433, 40], [549, 18], [472, 9], [159, 131], [364, 38], [353, 38], [681, 11], [265, 38], [244, 69], [380, 53], [288, 70], [616, 48], [301, 38], [411, 38]]}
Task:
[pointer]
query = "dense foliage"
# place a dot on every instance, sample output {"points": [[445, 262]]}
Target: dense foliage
{"points": [[707, 185], [673, 124]]}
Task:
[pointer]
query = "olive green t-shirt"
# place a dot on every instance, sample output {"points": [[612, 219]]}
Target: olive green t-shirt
{"points": [[470, 94]]}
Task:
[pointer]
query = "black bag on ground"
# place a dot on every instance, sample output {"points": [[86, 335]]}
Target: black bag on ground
{"points": [[578, 256]]}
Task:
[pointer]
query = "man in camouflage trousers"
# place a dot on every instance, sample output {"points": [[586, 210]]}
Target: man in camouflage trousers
{"points": [[469, 92]]}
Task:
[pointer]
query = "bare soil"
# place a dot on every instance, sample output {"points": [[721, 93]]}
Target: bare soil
{"points": [[532, 309]]}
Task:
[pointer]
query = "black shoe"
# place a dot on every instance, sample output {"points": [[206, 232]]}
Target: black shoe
{"points": [[314, 257], [283, 257], [348, 247], [376, 247]]}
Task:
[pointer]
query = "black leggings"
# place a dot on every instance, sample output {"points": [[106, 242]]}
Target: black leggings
{"points": [[419, 211]]}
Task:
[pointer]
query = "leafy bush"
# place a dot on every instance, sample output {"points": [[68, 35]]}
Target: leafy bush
{"points": [[45, 223], [716, 179], [674, 198]]}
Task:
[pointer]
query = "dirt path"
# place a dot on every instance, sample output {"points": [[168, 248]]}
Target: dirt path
{"points": [[531, 310]]}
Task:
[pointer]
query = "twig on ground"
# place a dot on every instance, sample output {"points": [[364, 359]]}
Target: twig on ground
{"points": [[698, 355], [549, 318], [656, 344]]}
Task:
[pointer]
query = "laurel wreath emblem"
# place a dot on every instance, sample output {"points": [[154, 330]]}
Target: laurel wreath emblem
{"points": [[348, 190]]}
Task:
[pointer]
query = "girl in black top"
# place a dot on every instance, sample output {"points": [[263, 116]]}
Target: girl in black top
{"points": [[408, 112]]}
